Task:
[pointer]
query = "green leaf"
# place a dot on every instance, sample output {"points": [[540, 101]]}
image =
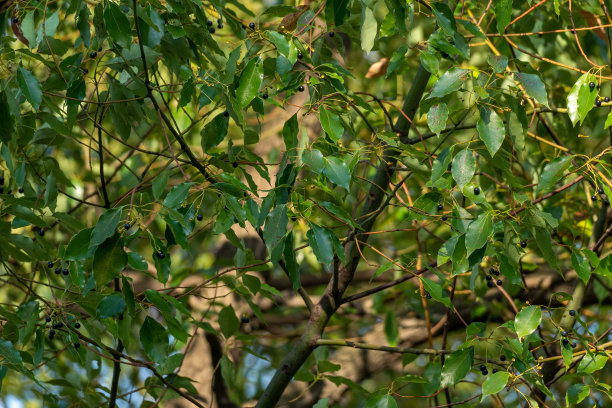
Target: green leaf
{"points": [[567, 352], [337, 172], [503, 14], [449, 82], [78, 248], [381, 401], [591, 363], [533, 86], [498, 62], [391, 328], [494, 383], [576, 394], [228, 321], [456, 366], [321, 243], [161, 303], [159, 183], [331, 124], [30, 87], [491, 129], [28, 27], [214, 132], [106, 226], [110, 306], [527, 320], [472, 28], [478, 232], [109, 260], [117, 24], [581, 98], [437, 117], [339, 212], [544, 242], [369, 29], [581, 266], [552, 172], [276, 226], [436, 291], [463, 167], [250, 82], [290, 133], [154, 340], [7, 350], [177, 195], [445, 18]]}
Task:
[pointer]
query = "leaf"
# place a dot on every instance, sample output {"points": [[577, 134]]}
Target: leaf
{"points": [[369, 29], [159, 183], [503, 14], [491, 129], [391, 328], [498, 62], [581, 98], [290, 132], [576, 394], [381, 401], [437, 117], [544, 241], [449, 82], [567, 352], [463, 167], [109, 260], [177, 195], [321, 243], [591, 363], [7, 350], [533, 86], [445, 18], [30, 87], [276, 226], [228, 321], [250, 82], [214, 132], [494, 383], [436, 291], [527, 320], [478, 232], [330, 122], [581, 266], [106, 226], [117, 24], [552, 172], [110, 306], [337, 172], [154, 340], [339, 212], [78, 248], [456, 366]]}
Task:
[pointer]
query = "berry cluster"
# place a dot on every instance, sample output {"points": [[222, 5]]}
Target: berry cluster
{"points": [[493, 272]]}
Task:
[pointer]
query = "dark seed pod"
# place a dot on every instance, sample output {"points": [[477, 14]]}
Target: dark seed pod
{"points": [[499, 282], [572, 312], [523, 244]]}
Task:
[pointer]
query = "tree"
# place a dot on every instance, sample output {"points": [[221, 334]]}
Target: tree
{"points": [[379, 204]]}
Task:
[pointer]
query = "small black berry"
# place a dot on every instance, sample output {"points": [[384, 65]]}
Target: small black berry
{"points": [[490, 284], [494, 370], [265, 96], [485, 372], [243, 26], [160, 254], [489, 277], [483, 367], [331, 34], [301, 88], [199, 217], [444, 218], [77, 344], [58, 270], [523, 244], [47, 319], [211, 30], [49, 264], [219, 26], [598, 102], [293, 218], [93, 55], [99, 49], [41, 232], [502, 357], [476, 190], [565, 342], [427, 295], [300, 55], [77, 325], [499, 282], [85, 71], [234, 164], [496, 272], [51, 332], [65, 272], [600, 191], [594, 197], [244, 318], [252, 26], [226, 114], [440, 207], [209, 23], [573, 345], [572, 312], [126, 226], [218, 21], [592, 85], [15, 19], [564, 333], [21, 190]]}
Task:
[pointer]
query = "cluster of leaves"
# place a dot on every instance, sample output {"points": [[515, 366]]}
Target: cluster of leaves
{"points": [[132, 139]]}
